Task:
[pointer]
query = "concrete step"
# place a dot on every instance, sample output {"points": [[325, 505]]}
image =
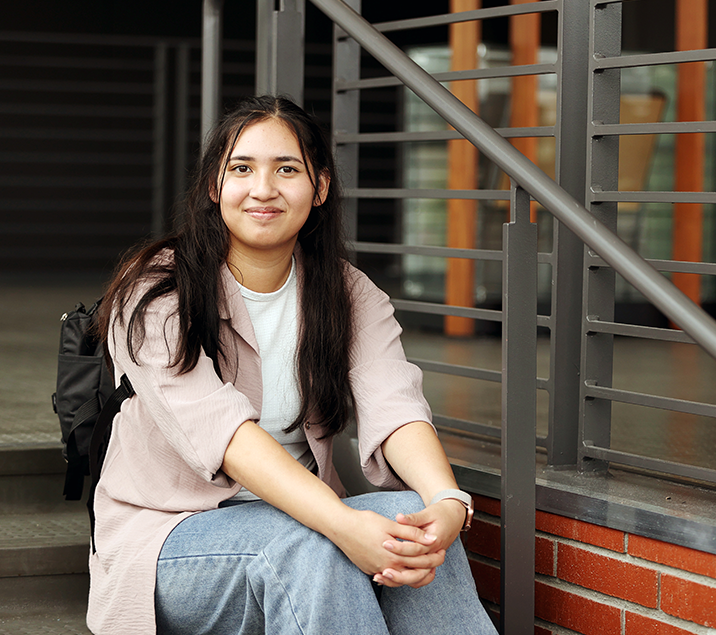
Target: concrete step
{"points": [[44, 543], [41, 605]]}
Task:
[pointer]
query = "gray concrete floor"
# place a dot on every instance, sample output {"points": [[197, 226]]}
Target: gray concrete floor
{"points": [[44, 605], [29, 335]]}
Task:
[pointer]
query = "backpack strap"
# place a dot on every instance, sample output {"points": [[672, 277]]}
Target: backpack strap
{"points": [[78, 465], [100, 438]]}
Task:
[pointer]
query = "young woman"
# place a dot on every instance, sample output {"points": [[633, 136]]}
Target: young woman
{"points": [[251, 342]]}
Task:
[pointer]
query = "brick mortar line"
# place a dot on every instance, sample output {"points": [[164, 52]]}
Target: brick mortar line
{"points": [[623, 605], [628, 558], [555, 628]]}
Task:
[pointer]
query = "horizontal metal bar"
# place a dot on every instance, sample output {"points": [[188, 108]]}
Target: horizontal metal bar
{"points": [[468, 16], [654, 59], [94, 40], [432, 308], [458, 371], [452, 76], [452, 424], [650, 401], [69, 134], [463, 427], [77, 256], [633, 330], [78, 229], [420, 250], [665, 296], [95, 182], [61, 110], [648, 463], [482, 195], [99, 63], [652, 197], [69, 205], [437, 252], [49, 86], [102, 158], [435, 135], [673, 266], [660, 127]]}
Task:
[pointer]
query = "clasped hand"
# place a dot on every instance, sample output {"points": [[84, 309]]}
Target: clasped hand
{"points": [[406, 551]]}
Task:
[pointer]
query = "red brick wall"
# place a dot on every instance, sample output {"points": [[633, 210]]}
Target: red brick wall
{"points": [[599, 581]]}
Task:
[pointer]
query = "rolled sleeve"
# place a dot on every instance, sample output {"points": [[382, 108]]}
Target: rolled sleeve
{"points": [[196, 413], [387, 389]]}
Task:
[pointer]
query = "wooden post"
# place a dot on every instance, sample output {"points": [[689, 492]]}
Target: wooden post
{"points": [[462, 175], [524, 111], [691, 33]]}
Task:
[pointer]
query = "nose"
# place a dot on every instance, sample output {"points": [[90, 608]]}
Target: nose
{"points": [[263, 185]]}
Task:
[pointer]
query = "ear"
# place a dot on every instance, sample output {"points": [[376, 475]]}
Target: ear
{"points": [[214, 193], [324, 182]]}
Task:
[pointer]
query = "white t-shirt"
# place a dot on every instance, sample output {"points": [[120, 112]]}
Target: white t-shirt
{"points": [[274, 317]]}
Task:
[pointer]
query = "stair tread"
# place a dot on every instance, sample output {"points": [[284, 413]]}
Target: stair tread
{"points": [[44, 530], [42, 605]]}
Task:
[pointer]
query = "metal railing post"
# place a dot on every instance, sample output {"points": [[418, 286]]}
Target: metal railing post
{"points": [[181, 120], [519, 412], [211, 40], [159, 139], [280, 48], [599, 282], [346, 117], [567, 258]]}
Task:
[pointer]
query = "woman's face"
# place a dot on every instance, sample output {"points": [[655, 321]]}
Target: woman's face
{"points": [[267, 193]]}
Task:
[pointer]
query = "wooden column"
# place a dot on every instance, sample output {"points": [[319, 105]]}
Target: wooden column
{"points": [[524, 111], [462, 175], [691, 33]]}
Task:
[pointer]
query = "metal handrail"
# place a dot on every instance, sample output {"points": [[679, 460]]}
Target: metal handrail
{"points": [[660, 291]]}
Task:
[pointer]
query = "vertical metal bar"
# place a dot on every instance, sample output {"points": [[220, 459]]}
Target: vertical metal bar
{"points": [[280, 48], [181, 120], [159, 136], [346, 117], [599, 282], [519, 408], [571, 134], [264, 42], [211, 38]]}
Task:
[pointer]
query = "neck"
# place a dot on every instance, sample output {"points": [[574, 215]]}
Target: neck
{"points": [[263, 273]]}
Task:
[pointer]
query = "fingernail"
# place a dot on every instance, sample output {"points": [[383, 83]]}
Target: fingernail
{"points": [[388, 545], [430, 537], [388, 575]]}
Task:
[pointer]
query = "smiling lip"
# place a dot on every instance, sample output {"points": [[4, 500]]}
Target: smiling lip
{"points": [[263, 213]]}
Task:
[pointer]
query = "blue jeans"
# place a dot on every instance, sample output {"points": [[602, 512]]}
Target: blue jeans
{"points": [[250, 569]]}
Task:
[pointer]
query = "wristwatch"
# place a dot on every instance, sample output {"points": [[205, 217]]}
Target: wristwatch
{"points": [[462, 497]]}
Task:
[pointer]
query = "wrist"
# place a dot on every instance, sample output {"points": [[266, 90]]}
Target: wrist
{"points": [[463, 498]]}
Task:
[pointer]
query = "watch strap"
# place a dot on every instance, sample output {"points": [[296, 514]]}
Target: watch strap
{"points": [[462, 497]]}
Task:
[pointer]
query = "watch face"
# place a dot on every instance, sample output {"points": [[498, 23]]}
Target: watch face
{"points": [[468, 518]]}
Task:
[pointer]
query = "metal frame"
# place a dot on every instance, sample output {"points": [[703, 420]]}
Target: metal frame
{"points": [[587, 133]]}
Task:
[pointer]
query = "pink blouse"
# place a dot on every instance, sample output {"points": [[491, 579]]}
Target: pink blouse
{"points": [[168, 443]]}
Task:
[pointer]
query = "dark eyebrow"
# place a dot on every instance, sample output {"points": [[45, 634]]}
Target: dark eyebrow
{"points": [[281, 159]]}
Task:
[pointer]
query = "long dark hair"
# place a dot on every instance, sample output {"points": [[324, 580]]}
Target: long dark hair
{"points": [[200, 247]]}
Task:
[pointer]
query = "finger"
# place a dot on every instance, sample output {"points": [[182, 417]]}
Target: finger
{"points": [[418, 519], [423, 561], [406, 548], [406, 577], [415, 534]]}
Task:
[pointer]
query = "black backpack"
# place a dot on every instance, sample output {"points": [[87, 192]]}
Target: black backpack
{"points": [[86, 400]]}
